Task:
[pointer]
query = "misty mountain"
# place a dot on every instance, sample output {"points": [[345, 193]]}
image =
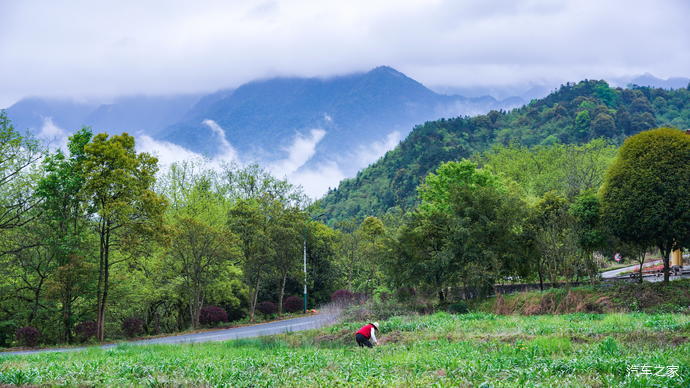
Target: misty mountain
{"points": [[134, 114], [357, 109], [650, 80]]}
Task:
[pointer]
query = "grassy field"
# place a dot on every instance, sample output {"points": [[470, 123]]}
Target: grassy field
{"points": [[448, 350]]}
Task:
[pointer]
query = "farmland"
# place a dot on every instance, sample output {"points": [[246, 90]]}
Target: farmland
{"points": [[469, 349]]}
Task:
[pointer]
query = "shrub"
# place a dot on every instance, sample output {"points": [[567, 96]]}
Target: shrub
{"points": [[133, 326], [293, 304], [342, 297], [267, 308], [211, 315], [382, 294], [459, 307], [86, 330], [28, 336], [405, 294]]}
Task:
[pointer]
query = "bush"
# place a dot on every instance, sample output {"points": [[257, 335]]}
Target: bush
{"points": [[404, 294], [267, 308], [211, 315], [343, 297], [28, 336], [382, 294], [459, 307], [133, 327], [86, 330], [293, 304]]}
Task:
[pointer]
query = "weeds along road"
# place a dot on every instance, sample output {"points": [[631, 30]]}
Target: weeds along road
{"points": [[262, 329]]}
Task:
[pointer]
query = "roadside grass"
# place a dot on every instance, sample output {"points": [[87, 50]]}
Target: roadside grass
{"points": [[474, 349], [671, 297], [224, 325]]}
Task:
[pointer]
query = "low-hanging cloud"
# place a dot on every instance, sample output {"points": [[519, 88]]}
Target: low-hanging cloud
{"points": [[367, 154], [299, 153], [114, 48], [315, 178], [227, 151]]}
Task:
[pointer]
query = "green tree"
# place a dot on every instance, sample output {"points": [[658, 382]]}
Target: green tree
{"points": [[64, 211], [465, 231], [118, 184], [286, 232], [202, 254], [249, 222], [552, 228], [644, 198]]}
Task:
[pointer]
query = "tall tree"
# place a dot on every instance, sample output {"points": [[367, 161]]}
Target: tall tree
{"points": [[249, 222], [202, 253], [118, 184], [287, 232], [65, 213], [645, 195]]}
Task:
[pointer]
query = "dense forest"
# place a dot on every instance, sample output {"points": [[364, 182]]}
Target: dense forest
{"points": [[574, 114]]}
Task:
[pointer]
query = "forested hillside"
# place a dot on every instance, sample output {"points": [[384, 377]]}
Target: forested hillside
{"points": [[575, 113]]}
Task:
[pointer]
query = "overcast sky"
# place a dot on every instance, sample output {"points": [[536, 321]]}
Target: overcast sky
{"points": [[105, 48]]}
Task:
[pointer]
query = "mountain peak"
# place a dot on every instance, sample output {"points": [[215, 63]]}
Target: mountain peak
{"points": [[386, 70]]}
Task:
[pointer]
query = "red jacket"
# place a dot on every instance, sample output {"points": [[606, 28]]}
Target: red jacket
{"points": [[366, 330]]}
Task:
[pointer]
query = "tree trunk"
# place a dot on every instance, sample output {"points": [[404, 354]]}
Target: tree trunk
{"points": [[252, 302], [104, 274], [541, 279], [282, 294], [67, 315], [641, 265], [667, 263]]}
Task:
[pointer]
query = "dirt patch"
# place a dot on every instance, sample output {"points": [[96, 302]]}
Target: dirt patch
{"points": [[342, 337], [392, 338], [653, 339]]}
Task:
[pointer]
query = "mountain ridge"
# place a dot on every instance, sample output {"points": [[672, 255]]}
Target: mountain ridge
{"points": [[574, 113]]}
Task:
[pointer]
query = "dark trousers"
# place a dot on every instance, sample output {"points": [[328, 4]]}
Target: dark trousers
{"points": [[363, 341]]}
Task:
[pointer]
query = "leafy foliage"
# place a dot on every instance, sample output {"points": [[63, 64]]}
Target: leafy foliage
{"points": [[267, 308], [133, 326], [644, 198], [85, 330], [28, 336], [293, 304], [212, 315], [343, 296]]}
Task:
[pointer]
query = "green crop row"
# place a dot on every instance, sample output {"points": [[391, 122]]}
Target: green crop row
{"points": [[441, 349]]}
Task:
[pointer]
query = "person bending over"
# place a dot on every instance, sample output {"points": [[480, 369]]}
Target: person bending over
{"points": [[367, 334]]}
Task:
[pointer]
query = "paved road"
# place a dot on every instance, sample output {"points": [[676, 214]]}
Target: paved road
{"points": [[271, 328], [647, 277], [616, 272]]}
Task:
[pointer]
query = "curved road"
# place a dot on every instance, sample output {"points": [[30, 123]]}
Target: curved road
{"points": [[262, 329]]}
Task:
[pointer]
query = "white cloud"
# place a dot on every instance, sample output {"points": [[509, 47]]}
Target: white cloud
{"points": [[167, 153], [367, 154], [228, 152], [299, 152], [52, 135], [316, 181]]}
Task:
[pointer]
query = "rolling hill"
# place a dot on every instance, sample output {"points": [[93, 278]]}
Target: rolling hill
{"points": [[574, 113]]}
